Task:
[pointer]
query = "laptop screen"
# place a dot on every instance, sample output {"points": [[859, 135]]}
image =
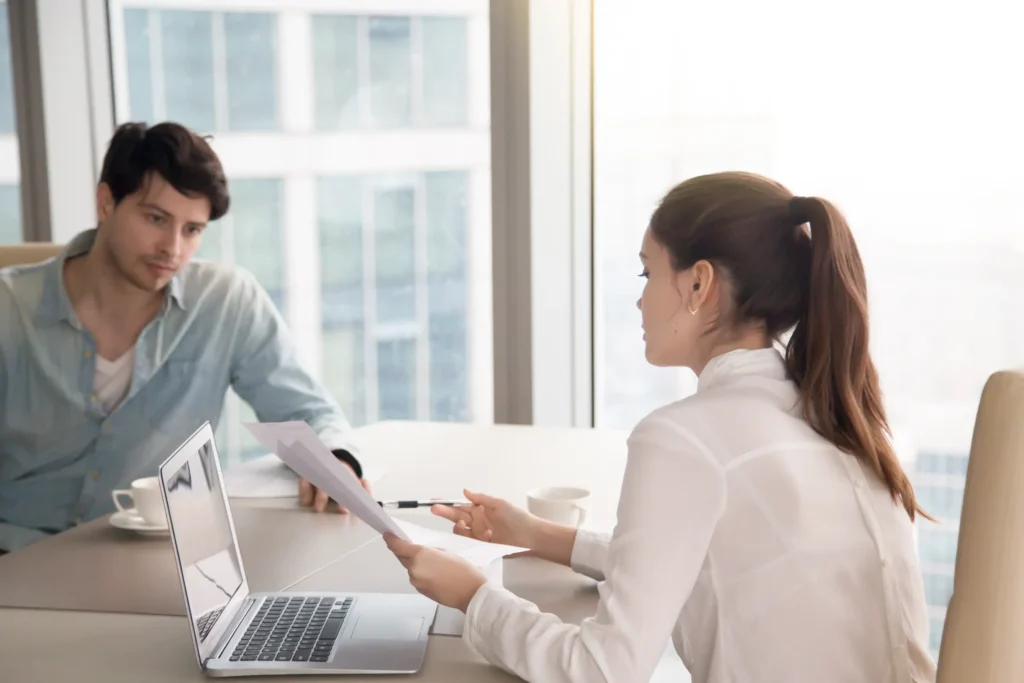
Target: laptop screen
{"points": [[210, 564]]}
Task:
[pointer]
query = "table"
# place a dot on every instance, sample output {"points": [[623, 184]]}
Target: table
{"points": [[98, 568], [421, 460]]}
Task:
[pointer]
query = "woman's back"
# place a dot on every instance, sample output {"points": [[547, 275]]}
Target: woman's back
{"points": [[811, 574]]}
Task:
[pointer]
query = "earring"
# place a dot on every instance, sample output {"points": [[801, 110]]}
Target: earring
{"points": [[693, 311]]}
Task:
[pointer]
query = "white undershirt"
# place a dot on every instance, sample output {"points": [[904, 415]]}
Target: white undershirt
{"points": [[761, 550], [112, 379]]}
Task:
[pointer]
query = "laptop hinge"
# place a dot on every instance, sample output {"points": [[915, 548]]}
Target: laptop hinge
{"points": [[237, 620]]}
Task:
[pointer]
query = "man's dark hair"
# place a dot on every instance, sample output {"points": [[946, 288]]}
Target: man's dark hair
{"points": [[182, 158]]}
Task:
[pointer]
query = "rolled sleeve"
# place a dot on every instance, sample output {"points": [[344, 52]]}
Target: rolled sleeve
{"points": [[269, 375], [590, 553]]}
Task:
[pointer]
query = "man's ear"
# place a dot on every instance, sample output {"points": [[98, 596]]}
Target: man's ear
{"points": [[105, 203]]}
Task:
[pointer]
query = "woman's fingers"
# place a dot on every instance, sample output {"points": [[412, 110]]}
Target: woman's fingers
{"points": [[452, 513]]}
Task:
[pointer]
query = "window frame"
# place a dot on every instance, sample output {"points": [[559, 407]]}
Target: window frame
{"points": [[61, 63]]}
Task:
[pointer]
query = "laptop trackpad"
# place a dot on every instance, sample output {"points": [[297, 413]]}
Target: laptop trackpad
{"points": [[387, 628]]}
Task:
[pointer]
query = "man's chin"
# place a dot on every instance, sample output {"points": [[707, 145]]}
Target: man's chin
{"points": [[149, 284]]}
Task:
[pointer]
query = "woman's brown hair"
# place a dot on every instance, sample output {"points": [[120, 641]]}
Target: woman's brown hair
{"points": [[785, 277]]}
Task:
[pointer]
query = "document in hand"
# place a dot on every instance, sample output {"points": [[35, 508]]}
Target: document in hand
{"points": [[301, 449]]}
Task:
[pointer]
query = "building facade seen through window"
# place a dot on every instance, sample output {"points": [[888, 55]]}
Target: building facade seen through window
{"points": [[357, 147]]}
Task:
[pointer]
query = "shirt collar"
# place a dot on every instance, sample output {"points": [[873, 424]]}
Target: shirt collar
{"points": [[740, 363], [55, 305]]}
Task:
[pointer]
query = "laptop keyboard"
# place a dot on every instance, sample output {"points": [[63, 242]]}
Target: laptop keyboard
{"points": [[296, 629], [206, 622]]}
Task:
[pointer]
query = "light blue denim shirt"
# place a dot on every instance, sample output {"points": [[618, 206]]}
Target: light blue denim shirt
{"points": [[61, 455]]}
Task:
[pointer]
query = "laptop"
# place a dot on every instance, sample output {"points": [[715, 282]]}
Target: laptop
{"points": [[239, 633]]}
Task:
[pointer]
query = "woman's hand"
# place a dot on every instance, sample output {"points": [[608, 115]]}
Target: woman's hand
{"points": [[493, 520], [445, 578], [497, 521]]}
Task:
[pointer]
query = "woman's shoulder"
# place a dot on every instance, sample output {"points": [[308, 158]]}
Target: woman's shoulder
{"points": [[680, 423], [724, 421]]}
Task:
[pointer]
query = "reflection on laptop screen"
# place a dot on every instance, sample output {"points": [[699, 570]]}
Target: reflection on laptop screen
{"points": [[207, 553]]}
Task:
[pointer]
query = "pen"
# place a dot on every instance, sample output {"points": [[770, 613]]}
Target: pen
{"points": [[401, 504]]}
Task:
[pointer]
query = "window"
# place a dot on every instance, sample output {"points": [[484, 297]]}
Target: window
{"points": [[936, 625], [336, 71], [444, 54], [918, 145], [447, 295], [249, 236], [10, 170], [363, 204], [395, 254], [937, 546], [396, 368], [211, 71], [417, 341], [10, 213], [938, 588], [942, 499], [391, 72]]}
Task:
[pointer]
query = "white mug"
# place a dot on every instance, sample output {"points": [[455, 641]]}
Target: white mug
{"points": [[146, 501], [559, 504]]}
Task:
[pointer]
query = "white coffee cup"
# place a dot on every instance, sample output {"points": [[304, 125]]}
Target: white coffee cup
{"points": [[146, 501], [559, 504]]}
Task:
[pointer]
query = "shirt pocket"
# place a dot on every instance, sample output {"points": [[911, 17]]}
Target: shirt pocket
{"points": [[177, 398]]}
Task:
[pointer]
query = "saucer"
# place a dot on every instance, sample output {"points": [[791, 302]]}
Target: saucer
{"points": [[132, 521]]}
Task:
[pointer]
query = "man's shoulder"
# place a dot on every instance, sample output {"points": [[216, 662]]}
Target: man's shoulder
{"points": [[22, 286], [202, 278]]}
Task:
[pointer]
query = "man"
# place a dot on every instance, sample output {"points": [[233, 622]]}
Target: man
{"points": [[117, 350]]}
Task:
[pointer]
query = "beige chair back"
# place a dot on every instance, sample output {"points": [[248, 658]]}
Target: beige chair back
{"points": [[983, 639], [30, 252]]}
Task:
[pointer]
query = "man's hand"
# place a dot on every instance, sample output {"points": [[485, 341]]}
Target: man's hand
{"points": [[310, 495]]}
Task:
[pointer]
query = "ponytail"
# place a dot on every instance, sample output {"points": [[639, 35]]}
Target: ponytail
{"points": [[828, 355]]}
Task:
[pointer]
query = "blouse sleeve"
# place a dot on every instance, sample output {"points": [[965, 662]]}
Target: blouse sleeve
{"points": [[673, 495]]}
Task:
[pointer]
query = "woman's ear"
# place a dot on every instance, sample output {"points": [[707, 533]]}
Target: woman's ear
{"points": [[703, 279]]}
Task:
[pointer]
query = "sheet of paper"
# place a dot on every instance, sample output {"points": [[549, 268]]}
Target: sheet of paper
{"points": [[477, 552], [265, 477], [299, 447], [451, 622], [269, 477]]}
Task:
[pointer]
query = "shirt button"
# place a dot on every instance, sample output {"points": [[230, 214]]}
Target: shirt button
{"points": [[87, 354], [106, 426], [94, 475], [93, 398]]}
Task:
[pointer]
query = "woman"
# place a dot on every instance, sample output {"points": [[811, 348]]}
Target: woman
{"points": [[764, 522]]}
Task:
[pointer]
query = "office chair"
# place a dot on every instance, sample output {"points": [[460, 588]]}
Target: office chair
{"points": [[983, 638], [29, 252]]}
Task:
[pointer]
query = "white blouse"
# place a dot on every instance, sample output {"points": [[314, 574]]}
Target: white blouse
{"points": [[768, 556]]}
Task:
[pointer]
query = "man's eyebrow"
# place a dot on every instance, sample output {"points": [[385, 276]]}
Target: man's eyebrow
{"points": [[148, 205]]}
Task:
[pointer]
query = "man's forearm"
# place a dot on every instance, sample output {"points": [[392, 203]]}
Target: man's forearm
{"points": [[14, 537]]}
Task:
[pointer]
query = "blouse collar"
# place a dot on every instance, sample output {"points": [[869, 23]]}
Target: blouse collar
{"points": [[742, 363]]}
